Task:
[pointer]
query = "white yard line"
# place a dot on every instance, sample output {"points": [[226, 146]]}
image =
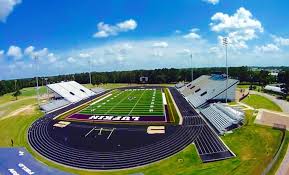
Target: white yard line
{"points": [[100, 99], [119, 102], [136, 103]]}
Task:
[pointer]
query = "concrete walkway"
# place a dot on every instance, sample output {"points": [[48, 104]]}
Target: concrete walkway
{"points": [[284, 105], [284, 168]]}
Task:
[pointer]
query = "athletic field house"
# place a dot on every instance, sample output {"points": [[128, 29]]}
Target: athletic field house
{"points": [[127, 127]]}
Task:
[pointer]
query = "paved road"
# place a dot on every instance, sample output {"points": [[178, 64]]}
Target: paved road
{"points": [[284, 105]]}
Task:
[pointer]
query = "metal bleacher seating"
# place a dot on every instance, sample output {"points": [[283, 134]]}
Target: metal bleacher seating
{"points": [[66, 93], [221, 117], [54, 104], [232, 113], [98, 90], [71, 91], [206, 88]]}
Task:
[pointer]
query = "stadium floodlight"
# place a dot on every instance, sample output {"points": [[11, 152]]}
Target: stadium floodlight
{"points": [[37, 70], [46, 85], [225, 43], [15, 85], [89, 62], [192, 69]]}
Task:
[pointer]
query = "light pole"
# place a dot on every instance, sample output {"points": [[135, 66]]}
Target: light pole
{"points": [[192, 69], [37, 87], [225, 43], [15, 84], [89, 70]]}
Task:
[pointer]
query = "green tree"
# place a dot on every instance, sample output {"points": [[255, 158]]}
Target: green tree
{"points": [[16, 94]]}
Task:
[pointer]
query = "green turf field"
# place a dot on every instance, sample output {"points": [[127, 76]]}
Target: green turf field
{"points": [[129, 102]]}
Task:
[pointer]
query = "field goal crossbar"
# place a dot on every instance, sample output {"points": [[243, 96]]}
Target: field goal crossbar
{"points": [[100, 130]]}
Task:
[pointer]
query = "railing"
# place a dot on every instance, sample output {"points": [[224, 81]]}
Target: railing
{"points": [[276, 156]]}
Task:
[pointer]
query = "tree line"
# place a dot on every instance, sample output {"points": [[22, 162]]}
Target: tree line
{"points": [[245, 75]]}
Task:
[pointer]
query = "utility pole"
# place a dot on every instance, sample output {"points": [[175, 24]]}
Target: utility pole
{"points": [[225, 43]]}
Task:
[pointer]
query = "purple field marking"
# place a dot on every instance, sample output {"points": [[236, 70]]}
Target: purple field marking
{"points": [[117, 118]]}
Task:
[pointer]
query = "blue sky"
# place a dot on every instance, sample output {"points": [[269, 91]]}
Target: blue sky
{"points": [[66, 35]]}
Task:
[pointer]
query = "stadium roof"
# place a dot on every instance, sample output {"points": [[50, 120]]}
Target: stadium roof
{"points": [[71, 91]]}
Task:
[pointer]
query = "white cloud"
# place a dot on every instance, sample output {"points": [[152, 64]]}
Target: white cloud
{"points": [[29, 51], [242, 19], [184, 52], [15, 52], [1, 54], [267, 48], [84, 55], [280, 41], [106, 30], [158, 53], [39, 54], [161, 44], [71, 60], [178, 31], [6, 7], [193, 34], [239, 28], [127, 25], [214, 2], [51, 57]]}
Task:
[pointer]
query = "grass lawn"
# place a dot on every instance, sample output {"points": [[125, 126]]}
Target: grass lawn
{"points": [[25, 92], [281, 156], [257, 101], [246, 86]]}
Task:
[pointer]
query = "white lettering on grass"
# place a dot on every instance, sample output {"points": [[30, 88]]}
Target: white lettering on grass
{"points": [[125, 118], [114, 118], [94, 117], [108, 117], [135, 118], [117, 118]]}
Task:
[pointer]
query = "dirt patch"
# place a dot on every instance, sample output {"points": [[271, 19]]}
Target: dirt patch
{"points": [[274, 119], [24, 110]]}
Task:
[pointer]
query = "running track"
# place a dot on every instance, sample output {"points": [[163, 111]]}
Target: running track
{"points": [[129, 146]]}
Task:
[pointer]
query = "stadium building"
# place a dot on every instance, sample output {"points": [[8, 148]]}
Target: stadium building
{"points": [[132, 126]]}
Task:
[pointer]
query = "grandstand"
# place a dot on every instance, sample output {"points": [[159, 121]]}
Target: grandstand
{"points": [[209, 88], [204, 91], [65, 93], [223, 118]]}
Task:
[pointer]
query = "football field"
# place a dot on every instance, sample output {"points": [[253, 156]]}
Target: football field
{"points": [[129, 102]]}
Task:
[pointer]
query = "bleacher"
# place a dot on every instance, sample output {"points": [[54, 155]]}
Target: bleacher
{"points": [[71, 91], [54, 104], [206, 88], [66, 93], [222, 117], [98, 90], [179, 85]]}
